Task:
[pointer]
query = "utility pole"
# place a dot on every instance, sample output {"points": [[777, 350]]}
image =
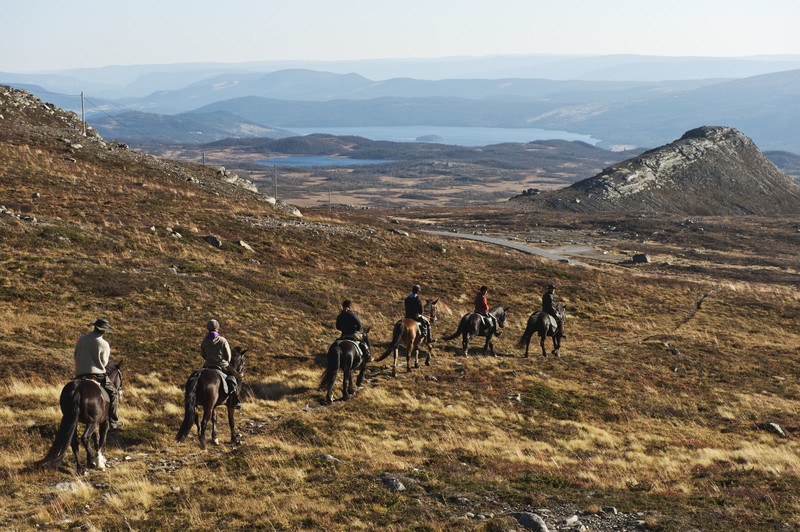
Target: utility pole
{"points": [[83, 115], [275, 175]]}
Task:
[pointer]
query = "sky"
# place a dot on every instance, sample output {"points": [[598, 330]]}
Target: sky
{"points": [[57, 34]]}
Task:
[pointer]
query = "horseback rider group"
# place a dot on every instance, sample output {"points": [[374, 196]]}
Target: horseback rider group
{"points": [[92, 351]]}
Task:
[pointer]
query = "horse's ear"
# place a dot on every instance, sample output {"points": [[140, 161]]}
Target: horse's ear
{"points": [[243, 351], [119, 364], [437, 300], [367, 329]]}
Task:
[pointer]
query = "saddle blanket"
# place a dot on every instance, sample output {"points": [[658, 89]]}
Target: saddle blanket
{"points": [[227, 385], [355, 344]]}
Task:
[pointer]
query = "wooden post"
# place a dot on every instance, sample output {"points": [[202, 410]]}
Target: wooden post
{"points": [[275, 175], [83, 115]]}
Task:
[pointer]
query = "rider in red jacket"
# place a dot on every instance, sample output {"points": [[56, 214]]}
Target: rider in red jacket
{"points": [[482, 308]]}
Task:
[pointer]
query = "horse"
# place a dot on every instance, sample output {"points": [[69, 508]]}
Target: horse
{"points": [[542, 323], [406, 333], [204, 388], [473, 324], [83, 401], [346, 355]]}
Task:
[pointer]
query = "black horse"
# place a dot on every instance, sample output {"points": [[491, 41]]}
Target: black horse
{"points": [[544, 325], [345, 354], [473, 324], [83, 401], [204, 388]]}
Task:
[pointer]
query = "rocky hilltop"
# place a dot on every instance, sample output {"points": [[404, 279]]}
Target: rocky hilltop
{"points": [[708, 171]]}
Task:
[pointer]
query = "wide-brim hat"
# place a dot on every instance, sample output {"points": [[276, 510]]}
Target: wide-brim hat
{"points": [[551, 286], [102, 324]]}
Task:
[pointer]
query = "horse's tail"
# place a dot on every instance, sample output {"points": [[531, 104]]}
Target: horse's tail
{"points": [[530, 328], [459, 330], [70, 410], [397, 336], [334, 359], [189, 405]]}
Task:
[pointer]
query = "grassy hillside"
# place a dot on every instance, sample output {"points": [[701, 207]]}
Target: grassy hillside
{"points": [[671, 439]]}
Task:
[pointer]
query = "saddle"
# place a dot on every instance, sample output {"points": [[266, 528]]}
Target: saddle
{"points": [[550, 321], [228, 381], [353, 341], [94, 379]]}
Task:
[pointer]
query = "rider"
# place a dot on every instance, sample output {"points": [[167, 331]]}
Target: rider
{"points": [[216, 352], [92, 354], [414, 311], [349, 324], [547, 303], [482, 308]]}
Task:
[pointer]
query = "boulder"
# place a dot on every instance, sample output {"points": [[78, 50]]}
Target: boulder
{"points": [[640, 258], [214, 241], [530, 521]]}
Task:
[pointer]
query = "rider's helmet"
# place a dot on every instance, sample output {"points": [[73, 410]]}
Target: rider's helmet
{"points": [[415, 289]]}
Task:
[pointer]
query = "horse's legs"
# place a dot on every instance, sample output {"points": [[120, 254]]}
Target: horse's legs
{"points": [[203, 424], [488, 344], [542, 338], [429, 351], [556, 344], [408, 355], [394, 361], [465, 343], [214, 438], [101, 459], [86, 440], [362, 370], [234, 437], [347, 377], [76, 451]]}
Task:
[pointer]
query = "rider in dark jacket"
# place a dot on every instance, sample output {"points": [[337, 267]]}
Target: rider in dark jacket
{"points": [[482, 308], [547, 303], [414, 311], [349, 324]]}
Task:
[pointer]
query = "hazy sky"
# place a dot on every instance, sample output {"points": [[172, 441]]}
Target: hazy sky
{"points": [[60, 34]]}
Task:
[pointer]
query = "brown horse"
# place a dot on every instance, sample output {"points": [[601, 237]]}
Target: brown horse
{"points": [[406, 334], [204, 388], [83, 401], [346, 355], [542, 323]]}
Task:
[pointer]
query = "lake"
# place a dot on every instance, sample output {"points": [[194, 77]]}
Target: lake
{"points": [[461, 136], [302, 161]]}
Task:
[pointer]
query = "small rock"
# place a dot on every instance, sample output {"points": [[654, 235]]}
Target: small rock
{"points": [[400, 232], [640, 258], [516, 397], [392, 483], [128, 458], [214, 241], [245, 245], [329, 458], [66, 486], [610, 510], [36, 195], [175, 489], [530, 521], [571, 520], [773, 428], [102, 486]]}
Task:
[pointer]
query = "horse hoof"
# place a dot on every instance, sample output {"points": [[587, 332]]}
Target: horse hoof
{"points": [[416, 366], [427, 362], [329, 399], [236, 440], [101, 462], [215, 441]]}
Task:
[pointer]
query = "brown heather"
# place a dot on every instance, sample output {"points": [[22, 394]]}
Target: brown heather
{"points": [[618, 420]]}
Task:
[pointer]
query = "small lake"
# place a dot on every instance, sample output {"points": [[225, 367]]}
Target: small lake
{"points": [[460, 136], [302, 161]]}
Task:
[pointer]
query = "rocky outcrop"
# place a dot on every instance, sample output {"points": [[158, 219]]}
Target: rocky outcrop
{"points": [[708, 171]]}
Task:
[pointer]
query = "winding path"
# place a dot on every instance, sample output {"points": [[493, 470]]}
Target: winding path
{"points": [[508, 244]]}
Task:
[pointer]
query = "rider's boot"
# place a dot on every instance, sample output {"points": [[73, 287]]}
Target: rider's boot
{"points": [[234, 400]]}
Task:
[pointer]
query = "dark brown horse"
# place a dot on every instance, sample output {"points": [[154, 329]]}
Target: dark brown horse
{"points": [[83, 401], [406, 334], [346, 355], [544, 325], [473, 324], [204, 388]]}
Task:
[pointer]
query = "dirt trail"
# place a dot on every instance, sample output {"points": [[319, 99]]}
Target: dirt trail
{"points": [[509, 244]]}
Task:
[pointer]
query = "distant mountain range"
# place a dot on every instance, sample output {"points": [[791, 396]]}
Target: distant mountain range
{"points": [[613, 98]]}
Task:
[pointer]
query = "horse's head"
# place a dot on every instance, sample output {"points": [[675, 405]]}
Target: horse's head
{"points": [[430, 308], [238, 359], [114, 374], [561, 310], [365, 335], [500, 314]]}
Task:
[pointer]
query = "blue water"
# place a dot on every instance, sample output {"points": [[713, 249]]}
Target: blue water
{"points": [[461, 136], [303, 161]]}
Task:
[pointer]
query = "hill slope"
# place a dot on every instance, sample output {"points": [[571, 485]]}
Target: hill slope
{"points": [[708, 171], [669, 438]]}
